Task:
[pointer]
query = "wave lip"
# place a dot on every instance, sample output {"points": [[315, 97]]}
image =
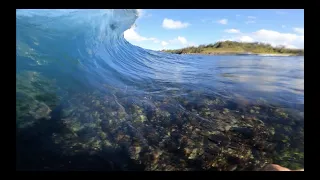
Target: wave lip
{"points": [[116, 20]]}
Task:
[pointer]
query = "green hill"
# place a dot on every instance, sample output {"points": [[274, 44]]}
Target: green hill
{"points": [[233, 47]]}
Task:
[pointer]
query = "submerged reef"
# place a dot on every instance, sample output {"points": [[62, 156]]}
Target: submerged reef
{"points": [[169, 134]]}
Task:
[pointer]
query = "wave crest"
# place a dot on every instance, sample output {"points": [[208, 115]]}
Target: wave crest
{"points": [[101, 21], [94, 40]]}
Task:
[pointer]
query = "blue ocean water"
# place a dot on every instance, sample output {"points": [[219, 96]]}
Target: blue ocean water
{"points": [[103, 94]]}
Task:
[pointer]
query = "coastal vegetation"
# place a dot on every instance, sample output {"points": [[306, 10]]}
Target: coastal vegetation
{"points": [[233, 47]]}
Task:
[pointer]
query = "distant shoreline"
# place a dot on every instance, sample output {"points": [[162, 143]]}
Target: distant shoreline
{"points": [[243, 54], [238, 48]]}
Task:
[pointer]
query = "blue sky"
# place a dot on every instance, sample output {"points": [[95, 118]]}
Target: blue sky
{"points": [[170, 29]]}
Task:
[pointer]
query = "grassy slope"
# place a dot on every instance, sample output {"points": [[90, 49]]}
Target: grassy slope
{"points": [[231, 47]]}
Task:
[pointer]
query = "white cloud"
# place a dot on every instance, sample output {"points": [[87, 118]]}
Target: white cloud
{"points": [[132, 35], [274, 35], [179, 42], [252, 17], [135, 38], [164, 43], [223, 21], [183, 40], [299, 30], [171, 24], [274, 38], [153, 43], [232, 30], [245, 39]]}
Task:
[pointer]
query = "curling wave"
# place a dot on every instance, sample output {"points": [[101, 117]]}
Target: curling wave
{"points": [[91, 42]]}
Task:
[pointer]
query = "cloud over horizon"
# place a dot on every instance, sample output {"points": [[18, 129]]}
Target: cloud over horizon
{"points": [[132, 35], [172, 24], [274, 38]]}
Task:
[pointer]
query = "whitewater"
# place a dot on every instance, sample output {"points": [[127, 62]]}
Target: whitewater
{"points": [[87, 99]]}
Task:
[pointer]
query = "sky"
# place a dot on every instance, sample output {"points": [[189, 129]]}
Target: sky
{"points": [[159, 29]]}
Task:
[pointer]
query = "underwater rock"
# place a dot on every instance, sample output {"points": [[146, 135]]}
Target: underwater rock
{"points": [[246, 132], [265, 146], [40, 110], [225, 111], [219, 139], [134, 152]]}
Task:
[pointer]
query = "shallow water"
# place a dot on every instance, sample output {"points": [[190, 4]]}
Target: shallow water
{"points": [[89, 100]]}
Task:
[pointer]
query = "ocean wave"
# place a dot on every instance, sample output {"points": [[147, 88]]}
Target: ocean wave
{"points": [[87, 48], [90, 43]]}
